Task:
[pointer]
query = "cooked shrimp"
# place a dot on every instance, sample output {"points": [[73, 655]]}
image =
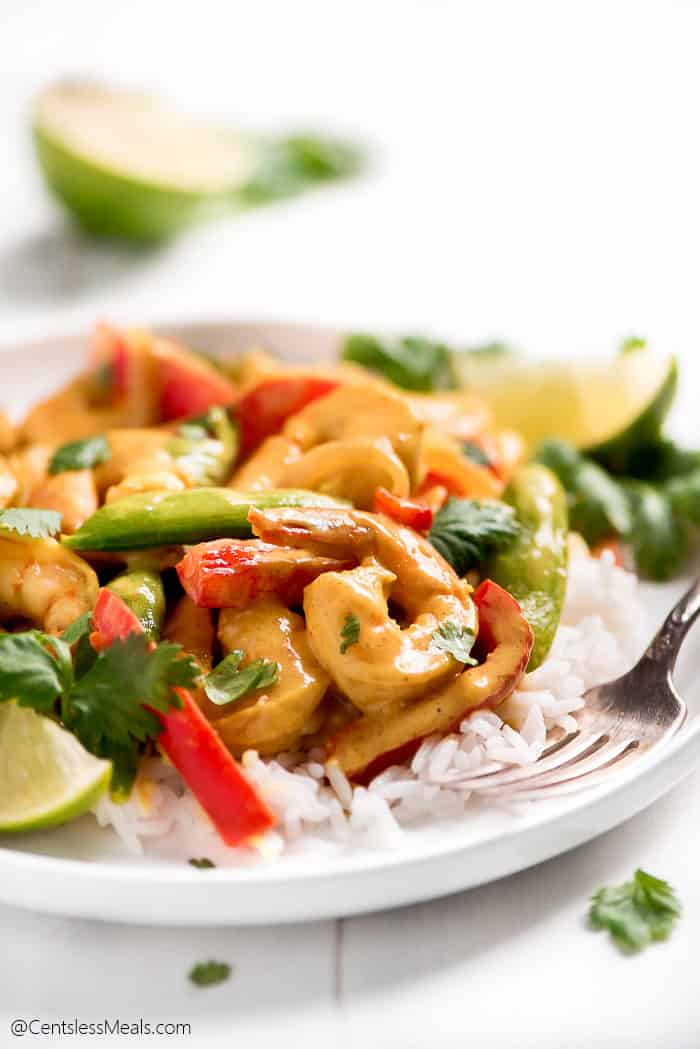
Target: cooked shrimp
{"points": [[442, 460], [459, 415], [140, 462], [72, 493], [67, 416], [30, 466], [8, 433], [389, 664], [42, 581], [8, 483], [332, 442], [276, 719]]}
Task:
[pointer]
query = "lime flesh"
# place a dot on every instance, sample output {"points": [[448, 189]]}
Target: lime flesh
{"points": [[600, 406], [128, 166], [46, 776]]}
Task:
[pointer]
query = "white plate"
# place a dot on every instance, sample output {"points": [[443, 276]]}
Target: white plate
{"points": [[82, 871]]}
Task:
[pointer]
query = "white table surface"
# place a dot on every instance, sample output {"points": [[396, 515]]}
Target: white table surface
{"points": [[536, 176]]}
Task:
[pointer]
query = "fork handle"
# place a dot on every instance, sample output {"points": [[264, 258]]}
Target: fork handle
{"points": [[666, 645]]}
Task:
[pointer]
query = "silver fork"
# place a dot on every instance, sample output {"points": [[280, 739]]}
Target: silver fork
{"points": [[622, 719]]}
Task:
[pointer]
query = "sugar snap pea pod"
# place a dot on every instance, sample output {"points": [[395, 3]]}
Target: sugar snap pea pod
{"points": [[142, 590], [533, 567], [205, 448], [151, 519]]}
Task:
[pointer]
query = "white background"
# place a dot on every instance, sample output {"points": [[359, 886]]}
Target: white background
{"points": [[535, 175]]}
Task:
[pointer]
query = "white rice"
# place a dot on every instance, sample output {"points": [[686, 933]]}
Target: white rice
{"points": [[601, 632]]}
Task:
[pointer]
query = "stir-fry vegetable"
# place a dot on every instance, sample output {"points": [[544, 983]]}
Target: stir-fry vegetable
{"points": [[232, 803], [161, 518], [533, 567], [142, 591]]}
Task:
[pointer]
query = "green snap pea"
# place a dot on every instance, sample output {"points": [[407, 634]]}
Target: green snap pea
{"points": [[533, 567], [142, 590], [152, 519]]}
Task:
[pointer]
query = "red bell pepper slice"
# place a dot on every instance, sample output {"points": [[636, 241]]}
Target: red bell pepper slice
{"points": [[231, 801], [189, 385], [405, 511], [264, 410], [112, 618], [230, 573], [110, 364]]}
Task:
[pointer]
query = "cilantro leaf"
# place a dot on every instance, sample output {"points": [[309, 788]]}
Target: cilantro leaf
{"points": [[202, 864], [207, 974], [80, 455], [108, 705], [77, 629], [227, 682], [412, 362], [465, 531], [290, 165], [35, 524], [34, 669], [597, 503], [350, 634], [457, 640], [637, 912]]}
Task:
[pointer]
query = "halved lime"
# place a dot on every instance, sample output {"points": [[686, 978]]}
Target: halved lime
{"points": [[46, 777], [604, 407], [126, 165]]}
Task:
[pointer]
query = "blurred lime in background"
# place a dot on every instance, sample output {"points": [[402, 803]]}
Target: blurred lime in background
{"points": [[128, 166]]}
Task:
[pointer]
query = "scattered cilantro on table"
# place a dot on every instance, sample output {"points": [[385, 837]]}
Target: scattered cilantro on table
{"points": [[637, 912], [208, 974]]}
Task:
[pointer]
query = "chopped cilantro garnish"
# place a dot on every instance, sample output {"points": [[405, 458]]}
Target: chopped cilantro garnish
{"points": [[350, 634], [228, 681], [457, 640], [107, 699], [203, 864], [80, 455], [35, 524], [465, 531]]}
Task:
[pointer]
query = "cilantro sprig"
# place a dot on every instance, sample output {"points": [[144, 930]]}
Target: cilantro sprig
{"points": [[228, 682], [457, 640], [637, 912], [80, 455], [29, 522], [350, 634], [465, 531], [108, 700]]}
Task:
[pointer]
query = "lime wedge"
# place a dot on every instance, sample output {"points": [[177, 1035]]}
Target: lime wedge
{"points": [[605, 407], [46, 777], [126, 165]]}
